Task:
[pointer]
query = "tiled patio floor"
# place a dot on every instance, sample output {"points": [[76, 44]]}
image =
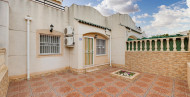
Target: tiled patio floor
{"points": [[98, 84]]}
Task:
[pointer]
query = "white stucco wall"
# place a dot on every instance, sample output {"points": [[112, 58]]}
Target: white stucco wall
{"points": [[83, 29], [13, 17], [4, 26], [42, 18], [119, 35]]}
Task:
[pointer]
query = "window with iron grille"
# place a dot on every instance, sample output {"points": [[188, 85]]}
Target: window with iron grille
{"points": [[49, 44], [100, 46]]}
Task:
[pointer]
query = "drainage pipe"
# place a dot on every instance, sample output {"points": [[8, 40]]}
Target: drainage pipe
{"points": [[110, 51], [28, 19], [110, 45]]}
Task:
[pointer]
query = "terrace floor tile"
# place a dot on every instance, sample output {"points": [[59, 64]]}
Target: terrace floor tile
{"points": [[98, 84]]}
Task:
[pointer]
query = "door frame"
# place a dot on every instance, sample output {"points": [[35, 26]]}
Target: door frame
{"points": [[85, 51]]}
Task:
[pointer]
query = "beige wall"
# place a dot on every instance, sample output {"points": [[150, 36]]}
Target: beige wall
{"points": [[118, 38], [170, 64], [78, 52], [4, 26], [42, 17], [99, 59]]}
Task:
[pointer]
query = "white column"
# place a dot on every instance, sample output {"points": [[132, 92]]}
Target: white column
{"points": [[145, 47], [140, 45], [189, 41], [150, 45], [156, 48], [161, 44], [168, 46], [128, 46], [136, 45], [182, 44], [174, 44], [28, 19], [132, 45]]}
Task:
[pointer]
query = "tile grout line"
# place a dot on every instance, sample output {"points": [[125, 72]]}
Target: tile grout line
{"points": [[150, 86], [173, 88], [30, 88], [50, 85], [131, 83]]}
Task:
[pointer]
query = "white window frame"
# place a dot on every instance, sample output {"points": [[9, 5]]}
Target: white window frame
{"points": [[100, 45], [50, 44]]}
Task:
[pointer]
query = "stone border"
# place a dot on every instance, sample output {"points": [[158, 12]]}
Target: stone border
{"points": [[125, 78]]}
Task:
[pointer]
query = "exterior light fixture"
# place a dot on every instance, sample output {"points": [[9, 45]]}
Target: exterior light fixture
{"points": [[51, 28], [95, 36]]}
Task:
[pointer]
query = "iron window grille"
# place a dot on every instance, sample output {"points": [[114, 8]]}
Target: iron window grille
{"points": [[100, 46], [49, 44]]}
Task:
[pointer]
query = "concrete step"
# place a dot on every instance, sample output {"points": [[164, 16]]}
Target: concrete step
{"points": [[91, 70]]}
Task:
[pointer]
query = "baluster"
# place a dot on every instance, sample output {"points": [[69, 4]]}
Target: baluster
{"points": [[182, 44], [168, 46], [174, 44], [188, 41], [156, 48], [140, 45], [136, 45], [150, 45], [161, 44], [145, 48], [127, 46], [132, 45]]}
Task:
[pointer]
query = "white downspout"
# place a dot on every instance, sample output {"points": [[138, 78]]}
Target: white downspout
{"points": [[28, 19], [110, 52], [110, 46]]}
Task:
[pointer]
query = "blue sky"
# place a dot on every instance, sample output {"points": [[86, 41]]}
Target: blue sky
{"points": [[154, 16]]}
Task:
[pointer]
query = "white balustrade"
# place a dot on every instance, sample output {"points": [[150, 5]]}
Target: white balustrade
{"points": [[145, 47], [168, 46], [156, 47], [141, 45], [134, 43], [150, 45], [174, 44], [161, 44], [182, 44]]}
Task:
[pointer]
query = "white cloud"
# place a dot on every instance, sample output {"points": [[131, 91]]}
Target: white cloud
{"points": [[170, 19], [89, 4], [145, 15], [108, 7], [135, 18]]}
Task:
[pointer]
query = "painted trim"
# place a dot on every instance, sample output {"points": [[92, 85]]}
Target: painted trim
{"points": [[47, 32], [93, 49]]}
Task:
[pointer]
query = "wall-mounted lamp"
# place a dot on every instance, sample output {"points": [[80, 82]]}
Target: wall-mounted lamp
{"points": [[95, 36], [51, 28]]}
